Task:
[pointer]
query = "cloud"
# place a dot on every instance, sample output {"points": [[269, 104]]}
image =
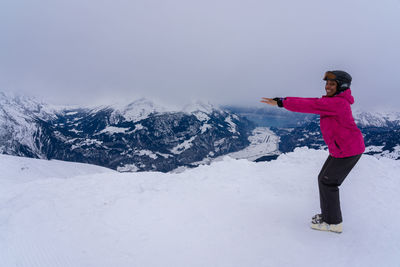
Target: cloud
{"points": [[83, 52]]}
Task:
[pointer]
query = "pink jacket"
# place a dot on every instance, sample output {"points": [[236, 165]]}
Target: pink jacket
{"points": [[338, 128]]}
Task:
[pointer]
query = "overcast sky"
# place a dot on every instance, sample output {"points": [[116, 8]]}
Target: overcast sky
{"points": [[176, 51]]}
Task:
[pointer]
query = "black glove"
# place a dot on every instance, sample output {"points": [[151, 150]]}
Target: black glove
{"points": [[279, 100]]}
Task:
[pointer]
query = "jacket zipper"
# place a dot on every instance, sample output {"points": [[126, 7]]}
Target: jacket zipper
{"points": [[336, 144]]}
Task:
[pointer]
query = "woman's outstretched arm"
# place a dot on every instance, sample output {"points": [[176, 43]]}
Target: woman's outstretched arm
{"points": [[321, 106]]}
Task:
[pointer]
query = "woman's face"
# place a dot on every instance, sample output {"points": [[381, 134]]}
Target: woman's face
{"points": [[330, 88]]}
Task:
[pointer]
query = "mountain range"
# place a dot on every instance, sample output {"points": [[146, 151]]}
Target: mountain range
{"points": [[144, 136], [140, 136]]}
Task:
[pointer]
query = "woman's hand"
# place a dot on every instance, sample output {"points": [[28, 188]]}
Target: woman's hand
{"points": [[269, 101]]}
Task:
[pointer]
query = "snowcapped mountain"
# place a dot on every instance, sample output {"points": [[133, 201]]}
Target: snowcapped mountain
{"points": [[18, 116], [232, 213], [136, 111], [377, 119], [200, 107], [140, 136]]}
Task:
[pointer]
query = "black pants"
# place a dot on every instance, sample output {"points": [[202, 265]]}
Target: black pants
{"points": [[332, 175]]}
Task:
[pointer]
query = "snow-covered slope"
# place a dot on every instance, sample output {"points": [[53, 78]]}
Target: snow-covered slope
{"points": [[230, 213], [263, 143], [20, 169]]}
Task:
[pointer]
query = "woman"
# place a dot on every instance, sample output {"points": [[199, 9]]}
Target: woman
{"points": [[342, 136]]}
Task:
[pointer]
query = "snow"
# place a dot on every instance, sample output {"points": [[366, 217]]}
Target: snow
{"points": [[145, 152], [263, 142], [376, 118], [230, 213], [164, 155], [205, 127], [128, 168], [74, 131], [143, 108], [137, 110], [17, 114], [395, 154], [86, 142], [218, 143], [198, 107], [373, 149], [14, 104], [113, 130], [201, 116], [232, 125], [183, 146], [139, 127], [22, 170]]}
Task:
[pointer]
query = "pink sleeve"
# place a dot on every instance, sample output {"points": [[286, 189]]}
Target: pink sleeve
{"points": [[321, 106]]}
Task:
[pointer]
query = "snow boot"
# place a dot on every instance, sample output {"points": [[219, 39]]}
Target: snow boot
{"points": [[316, 217], [320, 225]]}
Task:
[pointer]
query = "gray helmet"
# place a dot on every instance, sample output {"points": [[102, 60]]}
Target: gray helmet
{"points": [[342, 78]]}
